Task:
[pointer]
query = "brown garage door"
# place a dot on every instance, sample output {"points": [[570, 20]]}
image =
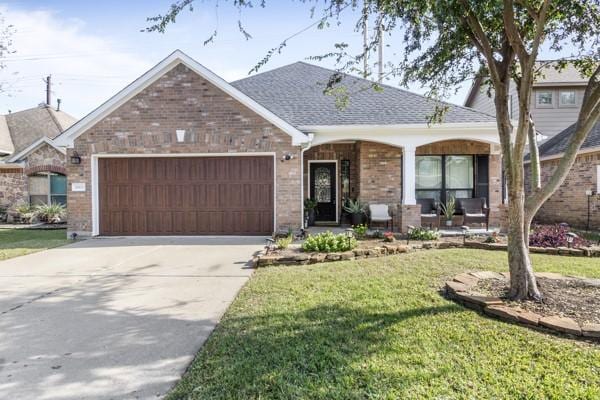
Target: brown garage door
{"points": [[186, 196]]}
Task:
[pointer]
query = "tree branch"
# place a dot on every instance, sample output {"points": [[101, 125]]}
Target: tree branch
{"points": [[534, 156]]}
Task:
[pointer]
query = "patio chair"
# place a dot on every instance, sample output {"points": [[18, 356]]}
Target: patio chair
{"points": [[430, 212], [474, 211], [380, 213]]}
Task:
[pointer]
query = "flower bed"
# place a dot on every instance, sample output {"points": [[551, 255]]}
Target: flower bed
{"points": [[572, 306], [294, 255]]}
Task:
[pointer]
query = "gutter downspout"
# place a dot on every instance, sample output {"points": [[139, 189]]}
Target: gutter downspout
{"points": [[311, 136]]}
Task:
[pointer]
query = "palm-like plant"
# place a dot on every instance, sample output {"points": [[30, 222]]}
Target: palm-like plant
{"points": [[51, 213], [449, 208]]}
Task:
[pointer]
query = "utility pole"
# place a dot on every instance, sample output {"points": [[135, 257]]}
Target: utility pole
{"points": [[48, 82], [365, 41], [380, 51]]}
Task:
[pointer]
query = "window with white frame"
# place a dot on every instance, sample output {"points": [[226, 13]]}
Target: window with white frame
{"points": [[544, 99], [567, 98], [47, 188]]}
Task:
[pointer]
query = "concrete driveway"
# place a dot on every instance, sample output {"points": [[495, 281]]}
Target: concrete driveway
{"points": [[114, 318]]}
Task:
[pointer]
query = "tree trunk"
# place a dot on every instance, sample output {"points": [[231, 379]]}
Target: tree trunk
{"points": [[523, 284]]}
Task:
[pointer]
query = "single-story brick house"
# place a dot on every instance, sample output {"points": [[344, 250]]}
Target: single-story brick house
{"points": [[576, 201], [181, 151], [32, 166]]}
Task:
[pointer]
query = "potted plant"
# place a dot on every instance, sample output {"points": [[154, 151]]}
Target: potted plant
{"points": [[310, 208], [449, 209], [356, 209]]}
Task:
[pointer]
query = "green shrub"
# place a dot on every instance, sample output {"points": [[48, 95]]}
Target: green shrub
{"points": [[360, 230], [26, 213], [284, 242], [51, 213], [327, 242], [423, 234]]}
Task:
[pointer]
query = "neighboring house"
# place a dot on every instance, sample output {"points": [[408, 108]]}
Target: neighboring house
{"points": [[32, 167], [555, 101], [181, 151], [576, 201]]}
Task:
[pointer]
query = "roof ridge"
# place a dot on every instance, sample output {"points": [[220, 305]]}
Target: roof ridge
{"points": [[54, 119]]}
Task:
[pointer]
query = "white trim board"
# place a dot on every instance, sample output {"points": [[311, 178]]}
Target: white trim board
{"points": [[337, 185], [34, 146], [155, 73], [96, 191]]}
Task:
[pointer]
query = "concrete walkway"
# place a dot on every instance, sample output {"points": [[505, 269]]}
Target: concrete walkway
{"points": [[113, 318]]}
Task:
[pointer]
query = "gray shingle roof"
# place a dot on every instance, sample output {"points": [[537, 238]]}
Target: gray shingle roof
{"points": [[27, 126], [557, 144], [295, 93]]}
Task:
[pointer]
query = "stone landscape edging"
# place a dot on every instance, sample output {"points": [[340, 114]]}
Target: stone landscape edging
{"points": [[397, 248], [459, 290]]}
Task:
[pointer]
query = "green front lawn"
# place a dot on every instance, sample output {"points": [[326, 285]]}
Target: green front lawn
{"points": [[18, 242], [378, 329]]}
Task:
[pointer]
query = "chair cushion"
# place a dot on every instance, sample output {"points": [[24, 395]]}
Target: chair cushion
{"points": [[381, 219], [379, 212], [429, 215], [479, 215]]}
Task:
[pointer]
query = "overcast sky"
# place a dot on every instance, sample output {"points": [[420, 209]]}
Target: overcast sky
{"points": [[94, 49]]}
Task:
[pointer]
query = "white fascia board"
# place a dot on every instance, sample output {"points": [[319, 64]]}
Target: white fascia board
{"points": [[33, 146], [155, 73]]}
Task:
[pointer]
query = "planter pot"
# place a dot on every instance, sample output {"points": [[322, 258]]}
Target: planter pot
{"points": [[311, 216], [448, 222], [357, 219]]}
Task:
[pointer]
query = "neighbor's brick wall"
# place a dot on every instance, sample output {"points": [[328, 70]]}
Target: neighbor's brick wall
{"points": [[569, 203], [214, 123], [13, 188], [380, 176]]}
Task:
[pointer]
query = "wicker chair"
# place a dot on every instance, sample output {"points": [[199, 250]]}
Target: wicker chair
{"points": [[474, 211], [430, 212]]}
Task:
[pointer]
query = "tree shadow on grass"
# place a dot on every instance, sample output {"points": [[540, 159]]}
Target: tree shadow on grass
{"points": [[322, 352]]}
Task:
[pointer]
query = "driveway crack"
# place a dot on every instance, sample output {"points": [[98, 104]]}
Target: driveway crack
{"points": [[40, 297]]}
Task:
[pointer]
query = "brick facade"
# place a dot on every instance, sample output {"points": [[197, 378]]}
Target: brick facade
{"points": [[569, 203], [14, 188], [214, 123]]}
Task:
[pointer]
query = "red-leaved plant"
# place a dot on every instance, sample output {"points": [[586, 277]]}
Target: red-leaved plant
{"points": [[553, 236]]}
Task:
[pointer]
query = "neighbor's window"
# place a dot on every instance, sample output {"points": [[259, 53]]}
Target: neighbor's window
{"points": [[544, 98], [567, 98], [47, 188], [439, 177]]}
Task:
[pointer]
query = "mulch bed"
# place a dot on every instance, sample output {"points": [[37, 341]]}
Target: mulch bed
{"points": [[574, 298]]}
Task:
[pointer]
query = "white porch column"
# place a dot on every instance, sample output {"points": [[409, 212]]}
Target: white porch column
{"points": [[409, 175]]}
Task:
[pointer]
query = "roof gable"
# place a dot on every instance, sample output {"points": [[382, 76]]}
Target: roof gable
{"points": [[295, 93], [33, 147], [155, 73]]}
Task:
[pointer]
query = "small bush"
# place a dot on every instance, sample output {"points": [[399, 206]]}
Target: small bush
{"points": [[26, 213], [553, 236], [360, 230], [284, 242], [51, 213], [327, 242], [493, 238], [423, 234]]}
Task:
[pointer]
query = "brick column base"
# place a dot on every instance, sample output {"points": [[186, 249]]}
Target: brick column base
{"points": [[499, 217], [409, 215]]}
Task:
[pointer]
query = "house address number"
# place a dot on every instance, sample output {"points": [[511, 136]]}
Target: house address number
{"points": [[78, 187]]}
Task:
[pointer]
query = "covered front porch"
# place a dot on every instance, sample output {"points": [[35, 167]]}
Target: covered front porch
{"points": [[401, 171]]}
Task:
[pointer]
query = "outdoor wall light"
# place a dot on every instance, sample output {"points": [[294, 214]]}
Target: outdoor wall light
{"points": [[75, 158], [287, 157]]}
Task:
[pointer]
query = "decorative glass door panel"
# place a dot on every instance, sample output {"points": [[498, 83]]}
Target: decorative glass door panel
{"points": [[323, 190]]}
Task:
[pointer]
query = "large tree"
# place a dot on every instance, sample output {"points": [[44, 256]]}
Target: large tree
{"points": [[447, 42]]}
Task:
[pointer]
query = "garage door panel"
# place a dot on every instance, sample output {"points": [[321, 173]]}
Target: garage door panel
{"points": [[186, 195]]}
